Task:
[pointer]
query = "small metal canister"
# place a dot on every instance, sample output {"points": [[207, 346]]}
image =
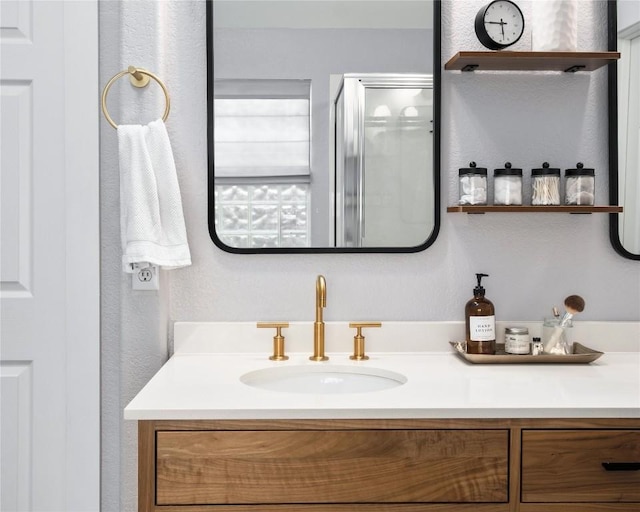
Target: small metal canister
{"points": [[516, 340]]}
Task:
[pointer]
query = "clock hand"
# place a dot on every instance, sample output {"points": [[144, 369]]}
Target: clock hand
{"points": [[502, 24]]}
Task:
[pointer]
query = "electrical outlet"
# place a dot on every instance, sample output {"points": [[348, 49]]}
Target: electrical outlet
{"points": [[145, 278], [145, 275]]}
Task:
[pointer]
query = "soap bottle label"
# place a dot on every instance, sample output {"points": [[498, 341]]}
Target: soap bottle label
{"points": [[482, 328]]}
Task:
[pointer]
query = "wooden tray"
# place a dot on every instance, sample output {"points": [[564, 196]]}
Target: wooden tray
{"points": [[581, 355]]}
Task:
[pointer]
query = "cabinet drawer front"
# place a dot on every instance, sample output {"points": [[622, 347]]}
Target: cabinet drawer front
{"points": [[567, 465], [350, 466]]}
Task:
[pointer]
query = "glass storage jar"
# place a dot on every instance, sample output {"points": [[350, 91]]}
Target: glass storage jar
{"points": [[545, 186], [516, 340], [579, 187], [472, 185], [507, 186], [556, 338], [537, 347]]}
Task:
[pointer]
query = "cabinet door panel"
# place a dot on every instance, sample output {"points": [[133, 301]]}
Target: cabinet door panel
{"points": [[356, 466], [566, 466]]}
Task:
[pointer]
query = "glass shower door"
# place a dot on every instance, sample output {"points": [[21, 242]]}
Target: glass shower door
{"points": [[384, 150]]}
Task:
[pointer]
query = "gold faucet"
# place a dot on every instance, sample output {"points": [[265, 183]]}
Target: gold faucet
{"points": [[318, 326]]}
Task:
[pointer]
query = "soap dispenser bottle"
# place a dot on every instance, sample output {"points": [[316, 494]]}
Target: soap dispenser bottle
{"points": [[480, 322]]}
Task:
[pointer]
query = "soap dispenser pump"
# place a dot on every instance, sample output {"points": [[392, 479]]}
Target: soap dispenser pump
{"points": [[480, 322]]}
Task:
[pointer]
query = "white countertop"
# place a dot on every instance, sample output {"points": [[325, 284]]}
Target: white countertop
{"points": [[196, 384]]}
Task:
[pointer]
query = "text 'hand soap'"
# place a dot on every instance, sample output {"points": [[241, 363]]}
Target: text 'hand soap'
{"points": [[480, 318]]}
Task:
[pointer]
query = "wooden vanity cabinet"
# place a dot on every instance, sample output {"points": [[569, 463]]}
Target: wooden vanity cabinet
{"points": [[388, 465], [331, 466], [567, 465]]}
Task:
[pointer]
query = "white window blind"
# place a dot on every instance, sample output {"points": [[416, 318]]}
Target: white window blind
{"points": [[262, 130], [262, 135]]}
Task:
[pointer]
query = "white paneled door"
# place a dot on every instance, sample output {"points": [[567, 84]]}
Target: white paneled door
{"points": [[49, 258]]}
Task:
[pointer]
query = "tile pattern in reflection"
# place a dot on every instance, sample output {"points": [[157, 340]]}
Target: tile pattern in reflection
{"points": [[263, 215]]}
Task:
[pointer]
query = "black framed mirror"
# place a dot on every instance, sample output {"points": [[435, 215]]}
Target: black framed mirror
{"points": [[624, 113], [323, 125]]}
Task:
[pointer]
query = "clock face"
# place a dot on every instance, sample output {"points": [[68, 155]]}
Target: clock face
{"points": [[499, 24]]}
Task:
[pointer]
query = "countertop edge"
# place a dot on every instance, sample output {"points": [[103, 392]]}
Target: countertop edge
{"points": [[379, 414]]}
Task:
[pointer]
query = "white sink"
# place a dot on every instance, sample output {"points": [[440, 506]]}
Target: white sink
{"points": [[323, 378]]}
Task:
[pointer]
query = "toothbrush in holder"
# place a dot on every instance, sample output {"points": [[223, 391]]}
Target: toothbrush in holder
{"points": [[557, 343]]}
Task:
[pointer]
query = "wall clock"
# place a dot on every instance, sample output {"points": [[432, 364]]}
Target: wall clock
{"points": [[499, 24]]}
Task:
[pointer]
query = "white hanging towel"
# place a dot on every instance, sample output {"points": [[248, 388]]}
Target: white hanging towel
{"points": [[151, 218]]}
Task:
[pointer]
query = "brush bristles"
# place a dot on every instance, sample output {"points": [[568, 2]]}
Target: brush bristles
{"points": [[574, 302]]}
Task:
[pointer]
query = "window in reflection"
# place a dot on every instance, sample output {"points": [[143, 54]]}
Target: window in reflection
{"points": [[263, 215], [262, 140]]}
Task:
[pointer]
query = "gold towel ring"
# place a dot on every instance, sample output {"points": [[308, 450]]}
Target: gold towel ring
{"points": [[139, 78]]}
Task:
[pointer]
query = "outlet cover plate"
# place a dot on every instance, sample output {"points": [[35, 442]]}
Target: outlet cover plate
{"points": [[145, 278]]}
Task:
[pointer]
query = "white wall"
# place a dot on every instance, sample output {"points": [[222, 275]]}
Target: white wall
{"points": [[628, 13], [534, 261]]}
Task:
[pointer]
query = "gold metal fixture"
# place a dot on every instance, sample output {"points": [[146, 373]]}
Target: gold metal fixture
{"points": [[278, 339], [138, 77], [358, 339], [318, 326]]}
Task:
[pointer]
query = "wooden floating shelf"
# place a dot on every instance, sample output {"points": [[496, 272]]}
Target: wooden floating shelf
{"points": [[569, 62], [534, 209]]}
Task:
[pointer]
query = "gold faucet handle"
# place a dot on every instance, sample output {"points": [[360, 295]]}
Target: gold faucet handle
{"points": [[278, 339], [358, 339]]}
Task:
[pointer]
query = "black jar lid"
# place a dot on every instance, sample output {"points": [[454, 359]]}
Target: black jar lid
{"points": [[580, 171], [507, 171], [472, 169], [546, 171]]}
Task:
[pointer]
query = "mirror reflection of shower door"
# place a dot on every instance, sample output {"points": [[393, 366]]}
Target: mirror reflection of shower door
{"points": [[347, 176], [384, 146]]}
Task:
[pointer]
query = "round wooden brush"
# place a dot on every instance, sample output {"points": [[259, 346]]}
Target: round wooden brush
{"points": [[573, 304]]}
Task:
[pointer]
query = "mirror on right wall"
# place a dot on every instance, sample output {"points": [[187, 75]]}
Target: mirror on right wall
{"points": [[624, 127]]}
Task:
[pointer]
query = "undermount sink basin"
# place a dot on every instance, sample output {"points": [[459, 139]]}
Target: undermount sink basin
{"points": [[323, 378]]}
